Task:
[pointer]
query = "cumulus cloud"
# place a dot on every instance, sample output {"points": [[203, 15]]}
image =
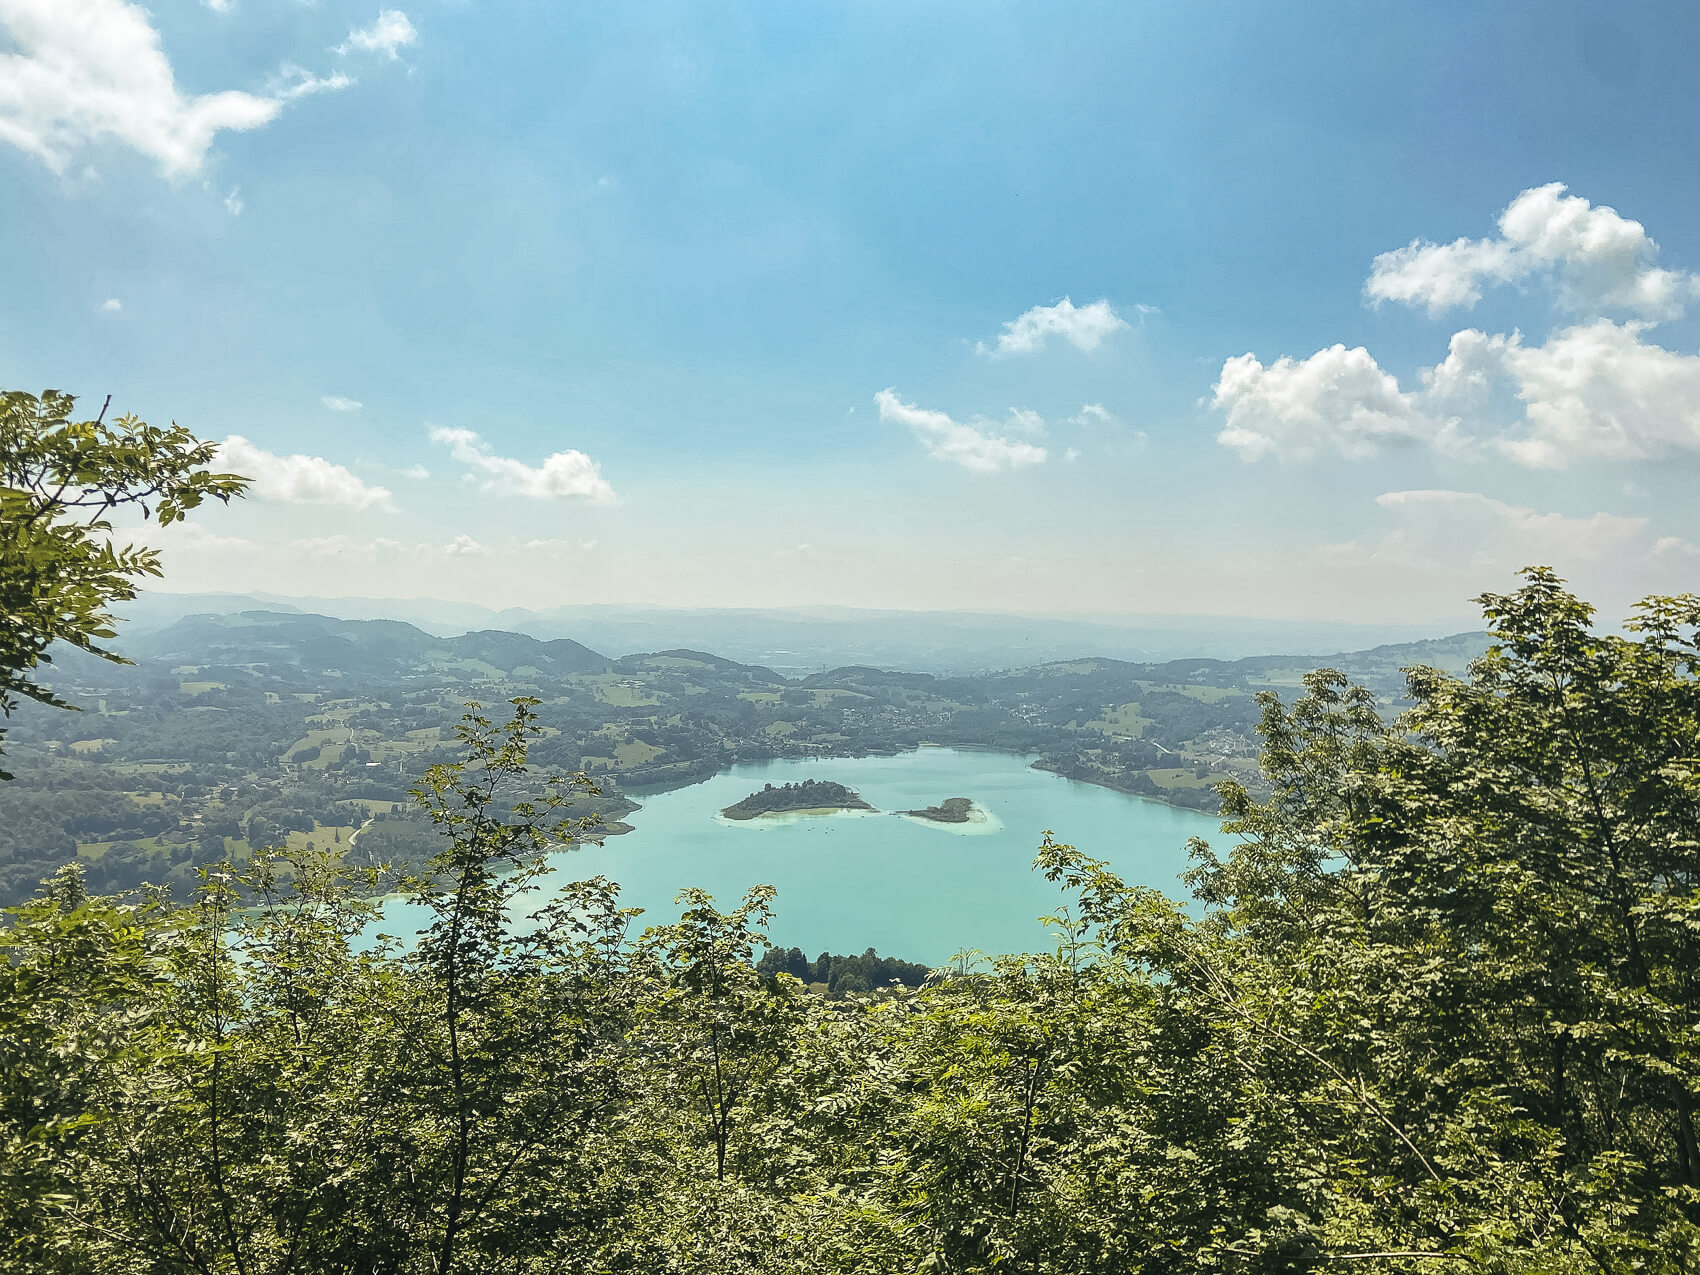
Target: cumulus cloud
{"points": [[300, 479], [1602, 261], [112, 305], [1083, 327], [562, 474], [391, 32], [1598, 389], [91, 71], [1095, 414], [969, 446], [233, 202], [1336, 400], [337, 403], [417, 472]]}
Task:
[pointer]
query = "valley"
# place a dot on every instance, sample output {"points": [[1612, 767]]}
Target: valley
{"points": [[261, 728]]}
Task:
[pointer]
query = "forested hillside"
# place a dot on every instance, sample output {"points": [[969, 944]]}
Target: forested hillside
{"points": [[245, 730], [1434, 1006]]}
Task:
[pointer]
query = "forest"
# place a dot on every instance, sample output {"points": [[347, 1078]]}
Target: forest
{"points": [[1433, 1003]]}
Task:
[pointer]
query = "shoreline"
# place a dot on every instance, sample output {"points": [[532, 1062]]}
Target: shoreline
{"points": [[1038, 762], [777, 818], [1113, 787]]}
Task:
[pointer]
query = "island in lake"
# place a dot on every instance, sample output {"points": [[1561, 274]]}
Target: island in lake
{"points": [[951, 810], [812, 796]]}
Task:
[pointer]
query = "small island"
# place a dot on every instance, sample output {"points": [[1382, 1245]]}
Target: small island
{"points": [[951, 810], [811, 797]]}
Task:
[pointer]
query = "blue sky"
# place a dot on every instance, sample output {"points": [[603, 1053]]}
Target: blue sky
{"points": [[763, 305]]}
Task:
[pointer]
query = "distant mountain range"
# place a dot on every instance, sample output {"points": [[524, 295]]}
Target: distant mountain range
{"points": [[806, 640], [320, 645]]}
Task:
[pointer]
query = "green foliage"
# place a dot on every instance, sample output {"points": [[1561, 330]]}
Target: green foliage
{"points": [[1434, 1008], [60, 566]]}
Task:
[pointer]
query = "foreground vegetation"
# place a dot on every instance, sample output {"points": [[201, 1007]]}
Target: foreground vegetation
{"points": [[1435, 1008]]}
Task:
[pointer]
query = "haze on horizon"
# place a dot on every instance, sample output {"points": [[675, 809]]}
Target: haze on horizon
{"points": [[1309, 313]]}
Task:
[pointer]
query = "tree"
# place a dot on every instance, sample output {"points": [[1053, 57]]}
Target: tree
{"points": [[60, 567], [1472, 934], [511, 1033]]}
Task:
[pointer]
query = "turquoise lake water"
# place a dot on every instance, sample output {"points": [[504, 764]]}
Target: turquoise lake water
{"points": [[846, 882]]}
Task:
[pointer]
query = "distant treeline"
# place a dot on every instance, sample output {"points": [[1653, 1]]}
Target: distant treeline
{"points": [[844, 974]]}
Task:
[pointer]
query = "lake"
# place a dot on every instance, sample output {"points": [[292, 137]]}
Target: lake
{"points": [[847, 882]]}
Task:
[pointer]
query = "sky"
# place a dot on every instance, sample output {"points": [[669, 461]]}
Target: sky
{"points": [[1294, 311]]}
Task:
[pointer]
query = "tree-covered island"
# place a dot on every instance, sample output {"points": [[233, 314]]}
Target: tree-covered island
{"points": [[812, 795], [950, 810]]}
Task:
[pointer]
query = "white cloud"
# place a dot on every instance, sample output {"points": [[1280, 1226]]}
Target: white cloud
{"points": [[233, 202], [296, 82], [1486, 539], [1095, 414], [1083, 327], [337, 403], [1023, 420], [966, 445], [391, 31], [1336, 400], [1599, 391], [300, 479], [462, 546], [1602, 261], [91, 71], [562, 474], [416, 471], [1596, 391], [112, 305]]}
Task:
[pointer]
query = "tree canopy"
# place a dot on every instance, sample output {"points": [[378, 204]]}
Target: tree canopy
{"points": [[61, 566], [1433, 1006]]}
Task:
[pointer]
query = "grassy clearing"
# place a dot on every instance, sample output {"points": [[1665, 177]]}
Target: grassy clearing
{"points": [[1122, 720], [1179, 778], [615, 690], [322, 837], [781, 728], [636, 753]]}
